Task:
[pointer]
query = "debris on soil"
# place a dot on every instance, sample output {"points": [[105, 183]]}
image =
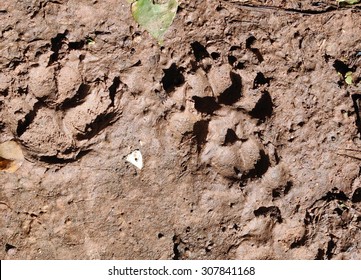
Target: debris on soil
{"points": [[155, 16], [136, 159], [11, 156]]}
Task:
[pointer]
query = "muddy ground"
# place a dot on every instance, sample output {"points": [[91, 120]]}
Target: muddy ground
{"points": [[242, 118]]}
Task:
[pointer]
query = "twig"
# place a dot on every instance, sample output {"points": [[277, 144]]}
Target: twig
{"points": [[309, 12]]}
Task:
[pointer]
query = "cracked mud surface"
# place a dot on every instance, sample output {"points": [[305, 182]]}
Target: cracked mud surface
{"points": [[242, 117]]}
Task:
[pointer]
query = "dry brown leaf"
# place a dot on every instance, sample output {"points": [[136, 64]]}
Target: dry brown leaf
{"points": [[11, 156]]}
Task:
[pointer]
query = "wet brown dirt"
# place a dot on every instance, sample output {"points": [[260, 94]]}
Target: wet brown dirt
{"points": [[243, 118]]}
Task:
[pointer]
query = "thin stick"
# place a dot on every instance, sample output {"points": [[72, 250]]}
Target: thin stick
{"points": [[346, 155]]}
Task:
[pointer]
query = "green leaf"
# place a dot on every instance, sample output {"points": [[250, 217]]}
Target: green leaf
{"points": [[350, 2], [155, 18], [348, 78]]}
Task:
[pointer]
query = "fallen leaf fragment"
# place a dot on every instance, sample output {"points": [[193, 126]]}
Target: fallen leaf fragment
{"points": [[155, 18], [11, 156], [350, 2], [348, 78]]}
